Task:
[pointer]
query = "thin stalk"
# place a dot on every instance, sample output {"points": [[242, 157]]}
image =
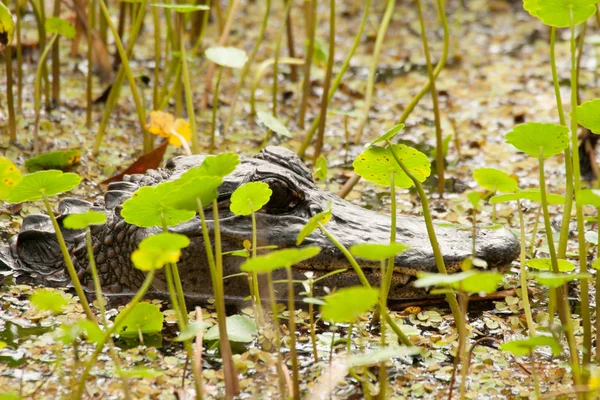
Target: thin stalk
{"points": [[215, 106], [232, 385], [385, 22], [169, 91], [523, 273], [290, 43], [246, 68], [38, 93], [292, 330], [389, 272], [276, 63], [68, 262], [363, 280], [19, 16], [157, 58], [435, 246], [56, 61], [90, 53], [124, 71], [598, 298], [280, 373], [311, 320], [40, 10], [176, 289], [462, 344], [205, 15], [188, 88], [439, 158], [12, 123], [254, 289], [336, 82], [383, 375], [536, 382], [535, 229], [583, 268], [136, 299], [310, 11], [327, 83], [546, 214]]}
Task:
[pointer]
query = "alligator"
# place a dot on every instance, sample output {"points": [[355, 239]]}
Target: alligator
{"points": [[34, 253]]}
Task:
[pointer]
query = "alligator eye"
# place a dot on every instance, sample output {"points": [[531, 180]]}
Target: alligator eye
{"points": [[283, 199]]}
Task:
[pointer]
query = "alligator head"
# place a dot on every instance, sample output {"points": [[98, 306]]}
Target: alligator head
{"points": [[294, 201]]}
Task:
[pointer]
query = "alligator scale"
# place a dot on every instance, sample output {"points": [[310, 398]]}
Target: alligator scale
{"points": [[36, 256]]}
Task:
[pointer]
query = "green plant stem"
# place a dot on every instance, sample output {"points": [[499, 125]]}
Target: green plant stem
{"points": [[68, 262], [523, 273], [389, 271], [598, 298], [205, 15], [439, 150], [124, 71], [311, 320], [56, 60], [536, 383], [435, 246], [187, 88], [157, 59], [583, 268], [385, 22], [232, 385], [535, 229], [100, 345], [310, 10], [292, 330], [19, 16], [326, 84], [169, 91], [383, 375], [38, 93], [91, 17], [546, 214], [280, 36], [336, 82], [12, 124], [363, 280], [280, 374], [246, 68], [177, 289], [254, 289], [40, 13], [215, 107]]}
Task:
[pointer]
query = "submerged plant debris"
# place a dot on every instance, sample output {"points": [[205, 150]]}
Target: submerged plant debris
{"points": [[497, 76]]}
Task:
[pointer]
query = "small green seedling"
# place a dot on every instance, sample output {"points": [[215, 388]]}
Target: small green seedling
{"points": [[388, 136], [321, 169], [84, 221], [144, 318], [48, 300], [313, 223], [272, 124], [588, 115], [246, 200], [523, 347], [10, 176], [267, 264], [228, 57]]}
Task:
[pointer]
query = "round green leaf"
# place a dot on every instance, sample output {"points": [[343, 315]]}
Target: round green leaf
{"points": [[149, 203], [591, 237], [588, 115], [240, 329], [533, 136], [545, 264], [144, 317], [474, 198], [388, 136], [220, 165], [7, 26], [557, 13], [191, 330], [589, 197], [471, 281], [279, 259], [183, 8], [377, 164], [523, 347], [48, 300], [249, 197], [10, 176], [347, 304], [323, 217], [187, 192], [553, 280], [273, 124], [33, 186], [157, 250], [60, 159], [377, 252], [227, 56], [83, 220], [495, 180], [60, 26], [530, 194]]}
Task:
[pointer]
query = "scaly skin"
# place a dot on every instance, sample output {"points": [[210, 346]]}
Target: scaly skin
{"points": [[295, 199]]}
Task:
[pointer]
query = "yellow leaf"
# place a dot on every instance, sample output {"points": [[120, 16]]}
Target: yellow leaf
{"points": [[161, 123], [182, 127]]}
